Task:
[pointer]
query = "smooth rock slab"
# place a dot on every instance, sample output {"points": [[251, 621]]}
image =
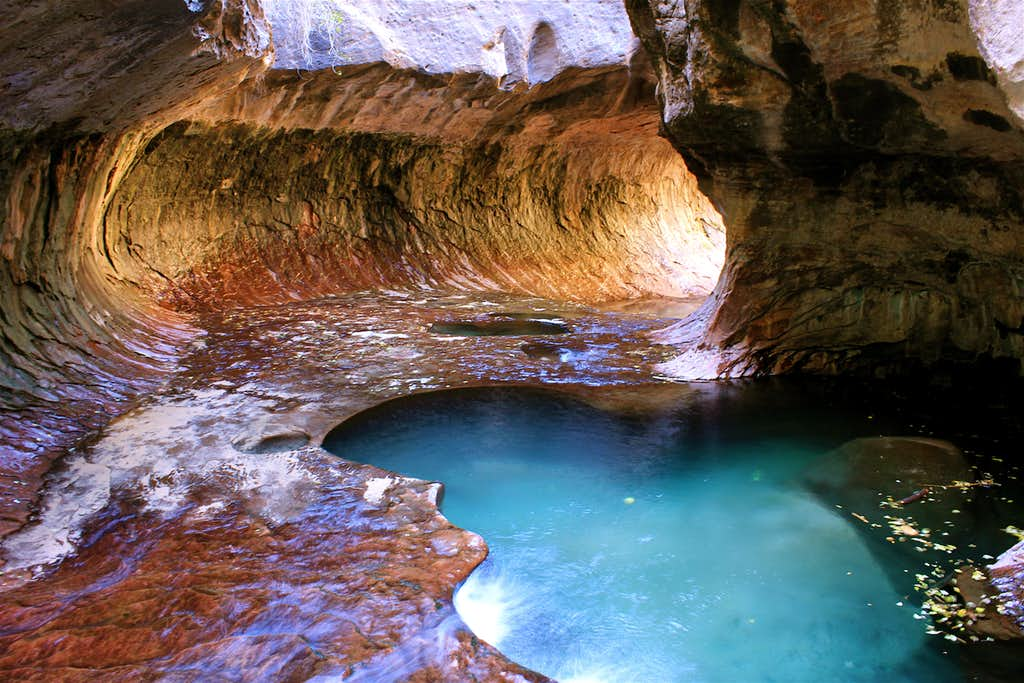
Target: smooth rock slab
{"points": [[181, 556]]}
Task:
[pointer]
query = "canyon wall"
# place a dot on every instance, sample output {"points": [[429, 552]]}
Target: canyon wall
{"points": [[157, 168], [155, 165], [869, 166], [310, 184], [157, 173], [76, 344]]}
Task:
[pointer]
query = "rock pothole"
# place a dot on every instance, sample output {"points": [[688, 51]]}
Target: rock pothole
{"points": [[271, 441], [499, 328]]}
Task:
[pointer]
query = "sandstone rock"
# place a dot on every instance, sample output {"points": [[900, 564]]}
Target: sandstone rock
{"points": [[992, 623], [271, 440], [997, 26], [550, 351], [165, 550], [525, 41], [868, 169], [85, 273], [866, 479], [1006, 575], [867, 157]]}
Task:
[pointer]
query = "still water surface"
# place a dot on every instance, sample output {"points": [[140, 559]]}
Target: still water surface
{"points": [[676, 546]]}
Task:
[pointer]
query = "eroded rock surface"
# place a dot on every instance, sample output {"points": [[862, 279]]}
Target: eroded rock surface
{"points": [[519, 42], [869, 169], [154, 162], [276, 563], [156, 174], [381, 177]]}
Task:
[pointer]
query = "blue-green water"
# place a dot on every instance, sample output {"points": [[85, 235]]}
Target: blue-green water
{"points": [[674, 547]]}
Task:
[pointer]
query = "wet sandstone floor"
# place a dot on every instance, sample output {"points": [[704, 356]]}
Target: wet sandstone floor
{"points": [[183, 541], [198, 538]]}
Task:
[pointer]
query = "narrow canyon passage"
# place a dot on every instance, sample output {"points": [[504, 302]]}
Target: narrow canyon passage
{"points": [[297, 561], [230, 226], [564, 190]]}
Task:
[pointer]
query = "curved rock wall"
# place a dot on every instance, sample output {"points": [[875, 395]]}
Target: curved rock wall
{"points": [[76, 345], [867, 158], [565, 191], [869, 170], [154, 163]]}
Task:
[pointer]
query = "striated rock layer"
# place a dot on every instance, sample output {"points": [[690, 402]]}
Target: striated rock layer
{"points": [[320, 183], [154, 166], [76, 346], [156, 173], [869, 166]]}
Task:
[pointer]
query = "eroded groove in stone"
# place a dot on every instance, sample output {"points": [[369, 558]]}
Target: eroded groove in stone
{"points": [[557, 194], [379, 177]]}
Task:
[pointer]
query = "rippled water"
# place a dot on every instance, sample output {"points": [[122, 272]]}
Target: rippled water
{"points": [[674, 547]]}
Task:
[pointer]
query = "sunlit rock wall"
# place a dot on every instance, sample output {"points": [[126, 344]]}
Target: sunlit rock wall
{"points": [[868, 165], [563, 191], [154, 163]]}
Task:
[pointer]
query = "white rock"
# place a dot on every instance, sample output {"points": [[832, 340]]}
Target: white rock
{"points": [[375, 489], [151, 453], [999, 27], [511, 40]]}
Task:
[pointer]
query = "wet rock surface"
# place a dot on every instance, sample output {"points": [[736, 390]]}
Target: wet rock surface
{"points": [[868, 163], [552, 351], [133, 177], [1006, 575], [298, 563]]}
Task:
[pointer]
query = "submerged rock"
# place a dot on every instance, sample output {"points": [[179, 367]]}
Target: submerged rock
{"points": [[862, 470], [917, 491]]}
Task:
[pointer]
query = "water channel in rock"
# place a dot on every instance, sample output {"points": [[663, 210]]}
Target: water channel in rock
{"points": [[678, 544]]}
